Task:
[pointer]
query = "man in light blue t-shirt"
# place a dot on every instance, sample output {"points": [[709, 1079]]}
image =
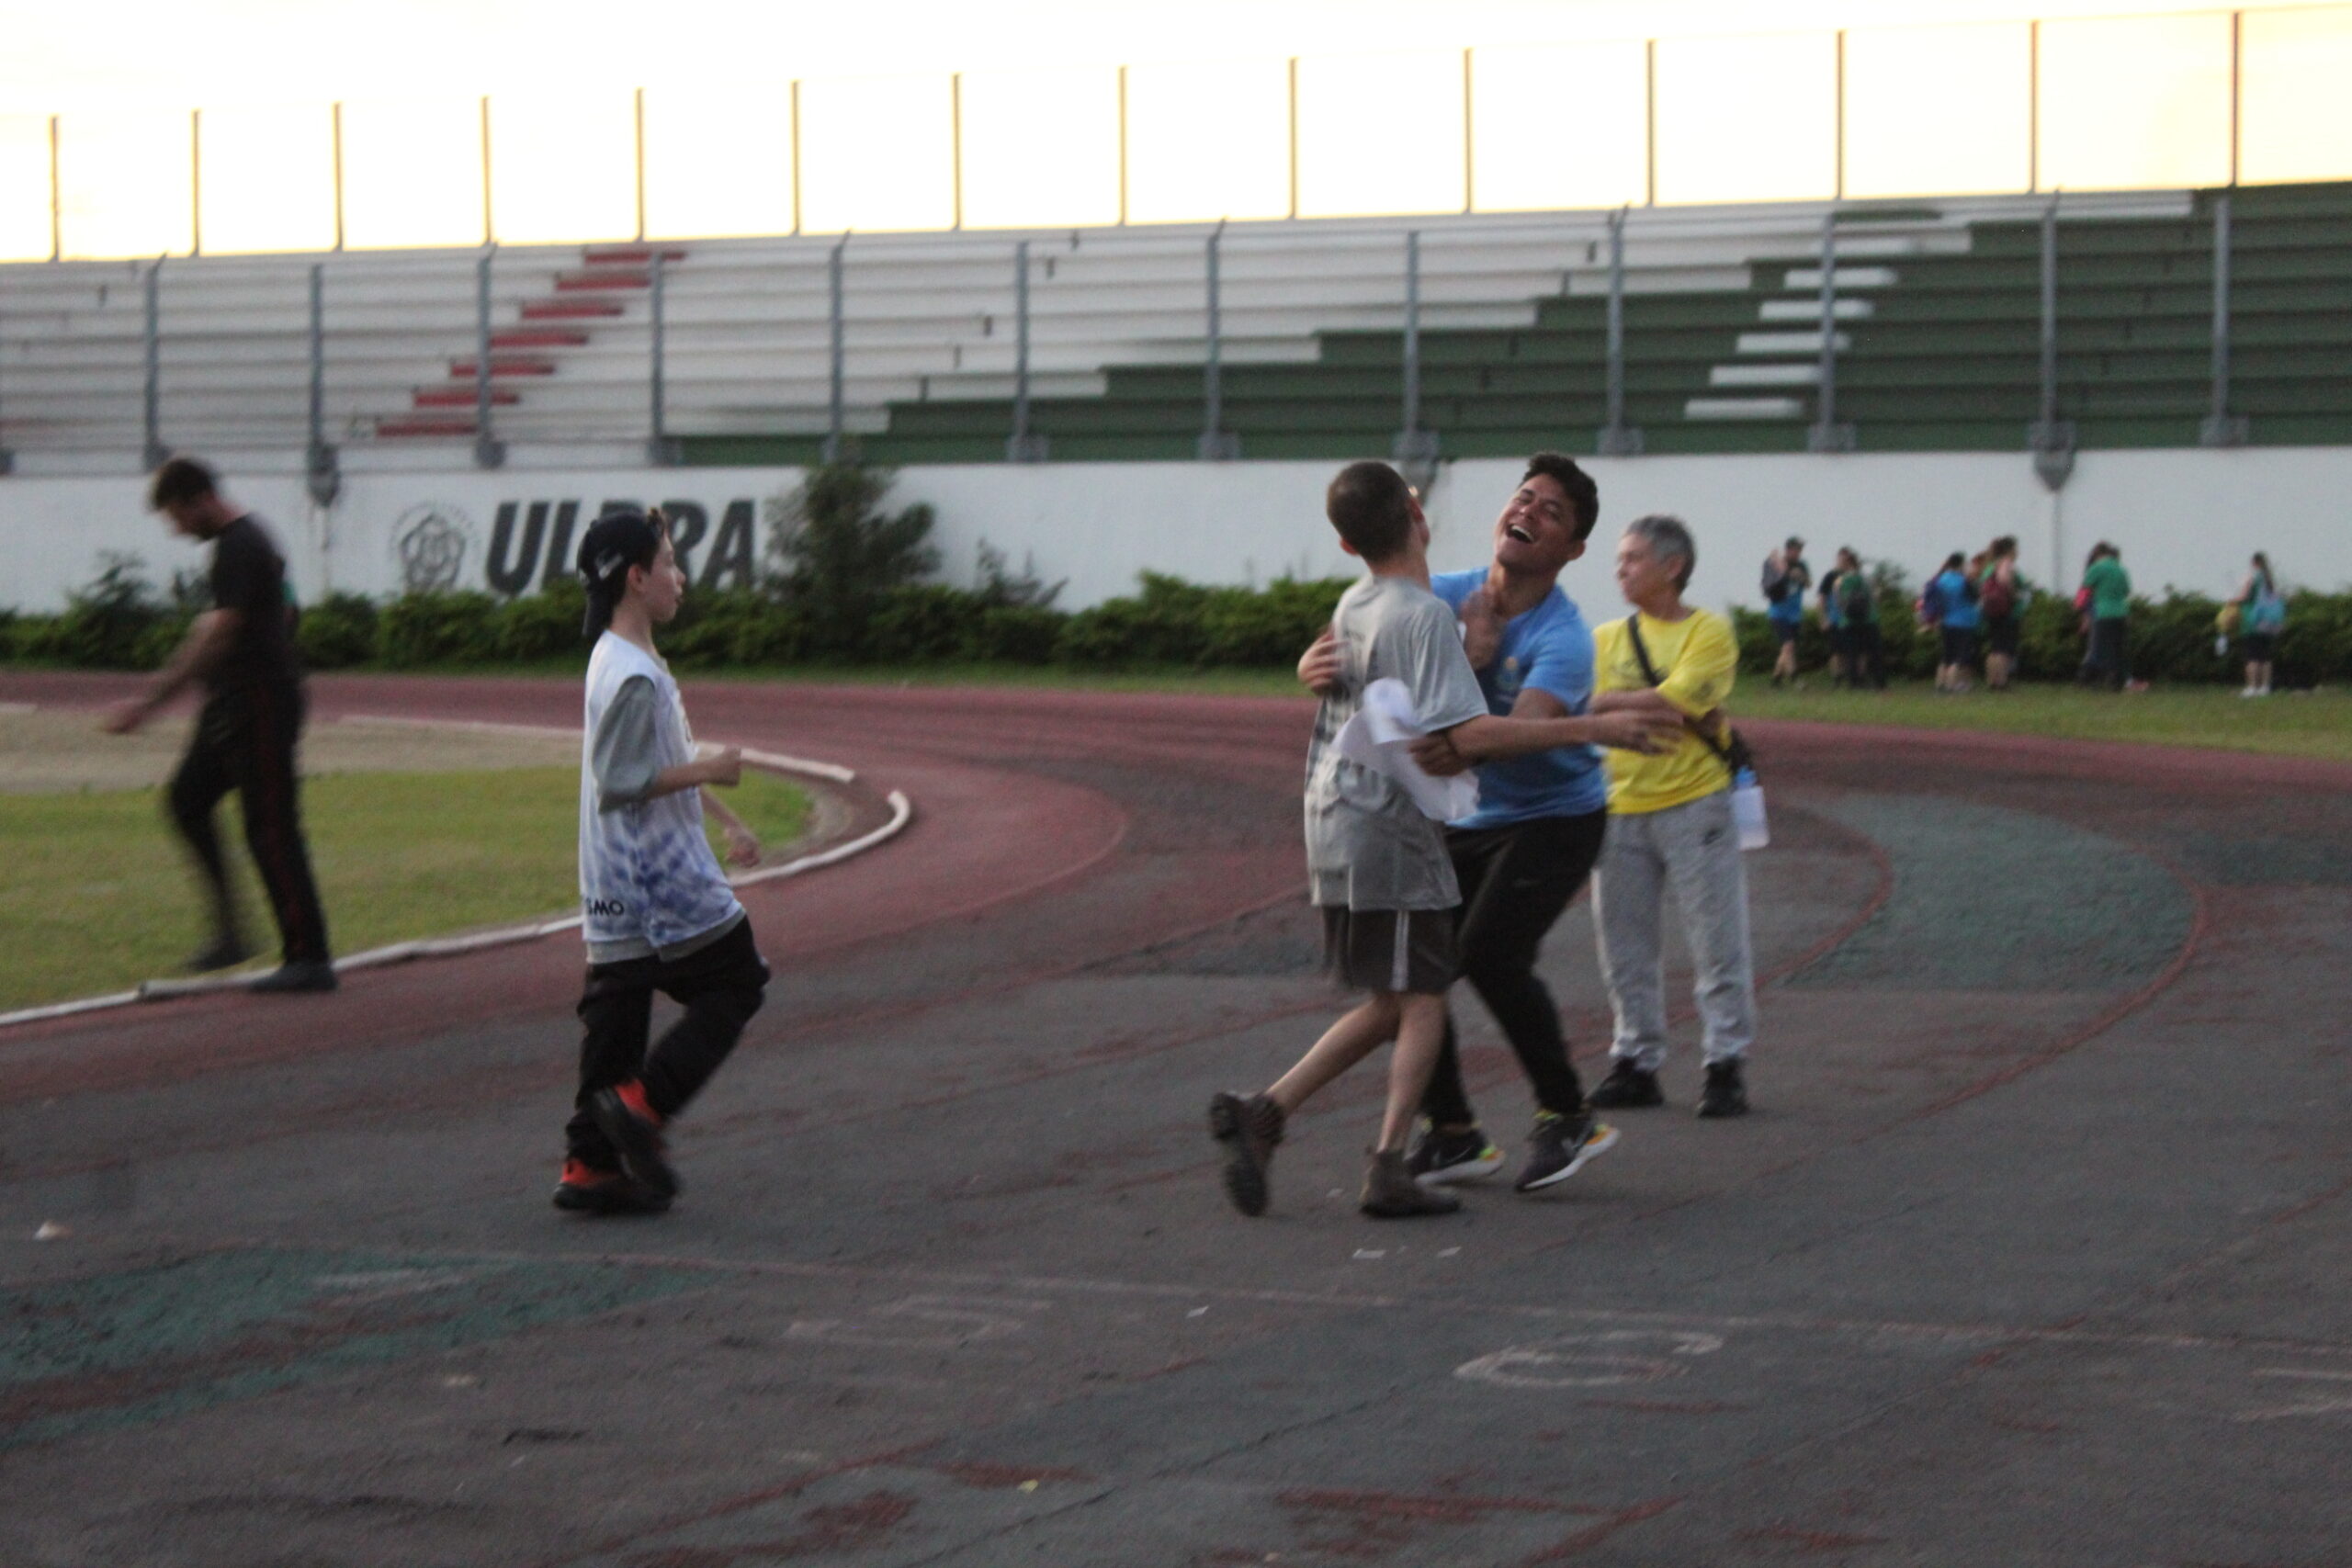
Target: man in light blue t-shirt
{"points": [[1532, 843]]}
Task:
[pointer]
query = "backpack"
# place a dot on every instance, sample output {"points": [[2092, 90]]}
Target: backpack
{"points": [[1854, 598], [1999, 596], [1776, 579]]}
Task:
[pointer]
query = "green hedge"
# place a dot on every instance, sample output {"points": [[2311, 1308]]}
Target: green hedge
{"points": [[1165, 621]]}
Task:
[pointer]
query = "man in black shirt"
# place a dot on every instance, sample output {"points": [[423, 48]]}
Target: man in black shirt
{"points": [[242, 651]]}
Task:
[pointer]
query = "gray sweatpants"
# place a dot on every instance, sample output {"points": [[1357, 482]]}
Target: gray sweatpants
{"points": [[1692, 850]]}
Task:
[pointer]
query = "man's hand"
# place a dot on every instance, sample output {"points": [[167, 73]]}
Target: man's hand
{"points": [[1319, 667], [126, 717], [723, 767], [1482, 629], [1437, 757], [1637, 730], [742, 844]]}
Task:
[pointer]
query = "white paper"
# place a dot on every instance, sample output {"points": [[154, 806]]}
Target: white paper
{"points": [[1378, 737]]}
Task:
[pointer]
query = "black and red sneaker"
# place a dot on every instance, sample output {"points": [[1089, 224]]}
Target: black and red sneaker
{"points": [[584, 1190], [635, 1128]]}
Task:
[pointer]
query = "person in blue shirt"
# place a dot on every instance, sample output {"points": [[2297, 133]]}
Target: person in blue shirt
{"points": [[1950, 600], [1527, 848], [1786, 578]]}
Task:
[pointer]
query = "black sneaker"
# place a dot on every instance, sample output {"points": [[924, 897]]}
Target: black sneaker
{"points": [[584, 1190], [1438, 1157], [1248, 1129], [637, 1135], [1559, 1147], [1726, 1090], [1391, 1193], [291, 978], [1627, 1088]]}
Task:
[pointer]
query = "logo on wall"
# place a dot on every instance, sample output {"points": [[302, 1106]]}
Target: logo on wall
{"points": [[430, 542]]}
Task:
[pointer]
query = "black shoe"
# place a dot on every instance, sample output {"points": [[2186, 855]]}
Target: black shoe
{"points": [[1438, 1157], [1559, 1147], [1627, 1088], [1726, 1090], [296, 977], [223, 952], [1391, 1193], [1248, 1129], [584, 1190], [637, 1136]]}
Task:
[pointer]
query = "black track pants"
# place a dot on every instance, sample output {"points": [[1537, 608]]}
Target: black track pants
{"points": [[720, 987], [1516, 880], [244, 741]]}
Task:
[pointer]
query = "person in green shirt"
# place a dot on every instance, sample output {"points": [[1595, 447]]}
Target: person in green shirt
{"points": [[2107, 587]]}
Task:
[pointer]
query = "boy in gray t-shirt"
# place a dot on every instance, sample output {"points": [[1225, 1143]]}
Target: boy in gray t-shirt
{"points": [[1376, 867]]}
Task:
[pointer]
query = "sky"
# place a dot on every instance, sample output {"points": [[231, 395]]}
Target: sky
{"points": [[1936, 102], [190, 52]]}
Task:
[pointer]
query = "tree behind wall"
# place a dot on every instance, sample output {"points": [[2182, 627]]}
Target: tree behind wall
{"points": [[839, 554]]}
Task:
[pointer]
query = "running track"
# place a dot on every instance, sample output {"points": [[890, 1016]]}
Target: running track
{"points": [[2032, 1254]]}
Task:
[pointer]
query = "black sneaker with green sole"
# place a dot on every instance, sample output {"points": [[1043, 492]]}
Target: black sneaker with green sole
{"points": [[1438, 1157], [1559, 1148]]}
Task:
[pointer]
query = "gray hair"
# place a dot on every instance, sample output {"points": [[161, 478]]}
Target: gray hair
{"points": [[1668, 539]]}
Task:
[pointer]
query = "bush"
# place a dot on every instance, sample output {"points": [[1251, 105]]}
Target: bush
{"points": [[337, 632], [924, 623], [1163, 625], [839, 555], [545, 625], [1016, 634], [734, 627], [116, 621], [1270, 627], [456, 627]]}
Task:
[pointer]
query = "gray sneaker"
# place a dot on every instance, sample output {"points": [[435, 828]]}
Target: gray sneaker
{"points": [[1391, 1193], [1559, 1147], [1248, 1129]]}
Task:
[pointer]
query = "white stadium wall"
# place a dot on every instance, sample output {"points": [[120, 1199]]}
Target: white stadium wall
{"points": [[2188, 518]]}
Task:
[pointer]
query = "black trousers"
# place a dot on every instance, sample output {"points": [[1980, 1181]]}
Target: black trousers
{"points": [[244, 741], [1866, 656], [720, 987], [1515, 882], [2107, 661]]}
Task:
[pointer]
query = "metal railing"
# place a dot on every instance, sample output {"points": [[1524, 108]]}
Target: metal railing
{"points": [[406, 295]]}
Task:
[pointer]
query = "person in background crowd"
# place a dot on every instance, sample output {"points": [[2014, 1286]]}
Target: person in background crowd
{"points": [[2106, 602], [1850, 609], [1786, 577], [1949, 604], [2000, 601], [2262, 615]]}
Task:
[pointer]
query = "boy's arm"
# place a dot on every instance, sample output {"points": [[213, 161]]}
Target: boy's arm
{"points": [[742, 844], [1488, 739], [622, 757]]}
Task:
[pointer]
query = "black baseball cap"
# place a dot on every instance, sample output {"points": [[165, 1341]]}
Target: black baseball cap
{"points": [[613, 543]]}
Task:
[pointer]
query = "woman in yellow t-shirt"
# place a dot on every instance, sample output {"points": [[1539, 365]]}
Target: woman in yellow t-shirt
{"points": [[1670, 827]]}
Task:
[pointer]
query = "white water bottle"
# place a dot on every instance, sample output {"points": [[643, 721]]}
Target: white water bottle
{"points": [[1748, 810]]}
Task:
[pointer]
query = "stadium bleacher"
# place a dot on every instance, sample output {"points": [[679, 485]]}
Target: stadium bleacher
{"points": [[1937, 309]]}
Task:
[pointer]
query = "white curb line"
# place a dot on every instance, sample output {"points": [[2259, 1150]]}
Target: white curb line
{"points": [[901, 812]]}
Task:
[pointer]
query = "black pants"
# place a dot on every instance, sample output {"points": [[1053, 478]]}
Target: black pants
{"points": [[720, 987], [2108, 660], [244, 741], [1866, 656], [1515, 882]]}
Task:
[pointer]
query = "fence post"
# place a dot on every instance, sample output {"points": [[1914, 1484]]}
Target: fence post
{"points": [[2220, 429], [1414, 449], [835, 435], [2051, 438], [1217, 445], [1025, 445], [660, 449], [1617, 439], [321, 475], [1827, 435], [489, 451], [155, 452]]}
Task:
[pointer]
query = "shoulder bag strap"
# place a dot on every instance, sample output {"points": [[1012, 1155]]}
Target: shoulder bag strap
{"points": [[1733, 755]]}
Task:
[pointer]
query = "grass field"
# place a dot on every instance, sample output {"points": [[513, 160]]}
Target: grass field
{"points": [[94, 896]]}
